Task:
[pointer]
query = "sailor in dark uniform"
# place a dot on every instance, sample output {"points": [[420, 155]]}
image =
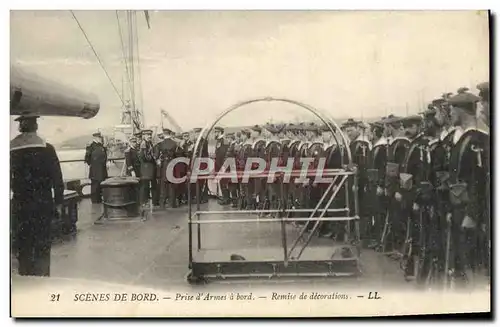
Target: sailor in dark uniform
{"points": [[148, 169], [316, 152], [484, 94], [96, 157], [393, 232], [294, 154], [138, 136], [440, 133], [193, 136], [375, 176], [469, 245], [272, 153], [304, 189], [202, 152], [326, 228], [221, 147], [246, 189], [284, 155], [360, 147], [35, 173], [132, 161], [184, 149], [164, 153], [232, 149], [258, 151], [416, 196]]}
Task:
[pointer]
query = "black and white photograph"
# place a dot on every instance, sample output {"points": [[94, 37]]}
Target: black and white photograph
{"points": [[250, 163]]}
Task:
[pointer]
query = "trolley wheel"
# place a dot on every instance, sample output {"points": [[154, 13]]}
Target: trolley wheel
{"points": [[194, 280]]}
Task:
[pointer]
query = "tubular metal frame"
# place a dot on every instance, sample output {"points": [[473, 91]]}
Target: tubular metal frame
{"points": [[282, 267]]}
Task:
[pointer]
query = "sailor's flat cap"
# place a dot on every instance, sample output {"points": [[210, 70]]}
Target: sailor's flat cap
{"points": [[324, 128], [312, 127], [463, 99], [196, 130], [274, 129], [27, 116], [391, 119], [431, 111], [484, 86], [438, 102], [376, 124], [484, 90], [167, 131], [246, 131], [97, 134], [147, 131], [256, 128], [446, 95], [218, 129], [413, 119], [350, 123]]}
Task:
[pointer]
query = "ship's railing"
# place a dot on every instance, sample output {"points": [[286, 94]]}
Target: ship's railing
{"points": [[76, 173]]}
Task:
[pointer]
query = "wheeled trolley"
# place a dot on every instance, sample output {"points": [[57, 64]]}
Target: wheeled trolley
{"points": [[226, 244]]}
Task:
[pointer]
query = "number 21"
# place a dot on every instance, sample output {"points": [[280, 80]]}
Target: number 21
{"points": [[54, 297]]}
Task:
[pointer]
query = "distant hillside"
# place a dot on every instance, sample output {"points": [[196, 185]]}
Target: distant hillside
{"points": [[80, 142]]}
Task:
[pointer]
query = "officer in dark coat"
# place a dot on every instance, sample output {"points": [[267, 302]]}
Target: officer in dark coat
{"points": [[360, 147], [201, 151], [416, 193], [259, 183], [375, 175], [273, 153], [232, 149], [484, 94], [469, 245], [96, 156], [148, 169], [165, 152], [221, 147], [132, 161], [35, 173], [246, 189], [185, 149]]}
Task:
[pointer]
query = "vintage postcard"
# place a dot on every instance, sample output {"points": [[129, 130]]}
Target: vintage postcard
{"points": [[249, 163]]}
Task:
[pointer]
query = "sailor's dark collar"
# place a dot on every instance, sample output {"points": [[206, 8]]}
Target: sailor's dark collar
{"points": [[444, 134], [26, 141], [399, 138], [258, 140]]}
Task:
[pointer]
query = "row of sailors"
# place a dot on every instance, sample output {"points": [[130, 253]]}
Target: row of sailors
{"points": [[423, 183], [148, 161]]}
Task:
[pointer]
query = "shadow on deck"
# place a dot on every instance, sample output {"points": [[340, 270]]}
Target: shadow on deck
{"points": [[154, 253]]}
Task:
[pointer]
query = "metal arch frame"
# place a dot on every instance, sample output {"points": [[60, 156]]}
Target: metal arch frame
{"points": [[325, 118], [332, 126]]}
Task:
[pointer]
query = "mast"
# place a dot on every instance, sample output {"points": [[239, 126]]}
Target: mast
{"points": [[131, 114]]}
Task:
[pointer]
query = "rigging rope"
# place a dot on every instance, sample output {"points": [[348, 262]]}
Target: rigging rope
{"points": [[97, 56], [138, 67], [131, 57], [123, 51]]}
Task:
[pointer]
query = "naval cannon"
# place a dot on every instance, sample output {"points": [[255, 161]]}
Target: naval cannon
{"points": [[31, 94], [288, 253]]}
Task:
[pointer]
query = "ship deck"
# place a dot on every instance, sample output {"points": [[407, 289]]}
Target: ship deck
{"points": [[154, 253]]}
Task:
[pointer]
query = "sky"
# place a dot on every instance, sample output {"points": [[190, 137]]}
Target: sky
{"points": [[195, 64]]}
